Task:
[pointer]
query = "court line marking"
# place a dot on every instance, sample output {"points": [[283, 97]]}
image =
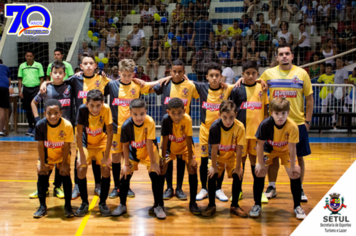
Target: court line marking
{"points": [[86, 217], [312, 159], [334, 158]]}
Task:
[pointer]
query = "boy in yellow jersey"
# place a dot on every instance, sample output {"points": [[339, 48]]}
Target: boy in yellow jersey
{"points": [[93, 144], [277, 136], [54, 135], [235, 31], [211, 95], [326, 92], [185, 90], [177, 142], [226, 141], [251, 102], [121, 93], [138, 136]]}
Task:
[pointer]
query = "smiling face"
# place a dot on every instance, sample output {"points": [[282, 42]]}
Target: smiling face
{"points": [[94, 107], [138, 115], [53, 114]]}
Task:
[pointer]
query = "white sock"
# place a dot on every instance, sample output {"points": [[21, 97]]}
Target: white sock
{"points": [[273, 184]]}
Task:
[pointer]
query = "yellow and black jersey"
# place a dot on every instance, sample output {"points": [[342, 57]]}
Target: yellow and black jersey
{"points": [[210, 100], [54, 137], [93, 126], [277, 138], [137, 136], [177, 133], [250, 101], [227, 139], [120, 97], [291, 85], [184, 90]]}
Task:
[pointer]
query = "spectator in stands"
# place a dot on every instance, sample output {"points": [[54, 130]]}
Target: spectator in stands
{"points": [[138, 7], [156, 36], [84, 48], [347, 33], [246, 5], [213, 45], [281, 41], [114, 73], [141, 75], [219, 42], [5, 91], [120, 14], [103, 49], [147, 16], [349, 57], [332, 34], [341, 73], [30, 75], [228, 75], [186, 42], [101, 24], [333, 11], [153, 56], [255, 6], [260, 19], [253, 53], [162, 12], [288, 36], [327, 78], [238, 54], [328, 50], [303, 9], [273, 24], [175, 52], [114, 57], [264, 41], [303, 45], [172, 30], [188, 19], [98, 12], [138, 43], [206, 3], [178, 17], [125, 52], [309, 18], [224, 34], [200, 10], [246, 22], [316, 70], [235, 31], [112, 37], [323, 15], [224, 56], [202, 31], [201, 59]]}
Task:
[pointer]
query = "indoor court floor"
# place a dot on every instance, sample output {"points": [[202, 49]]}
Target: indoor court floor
{"points": [[18, 179]]}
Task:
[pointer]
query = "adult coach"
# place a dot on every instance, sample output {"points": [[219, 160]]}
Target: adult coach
{"points": [[5, 91], [30, 75], [58, 56]]}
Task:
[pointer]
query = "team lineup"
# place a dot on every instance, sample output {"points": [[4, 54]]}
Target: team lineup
{"points": [[237, 121]]}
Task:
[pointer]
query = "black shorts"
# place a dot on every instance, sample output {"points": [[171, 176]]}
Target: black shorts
{"points": [[28, 95], [303, 147], [4, 98], [137, 48]]}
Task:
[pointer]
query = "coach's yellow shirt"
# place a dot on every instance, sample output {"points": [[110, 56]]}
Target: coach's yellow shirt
{"points": [[292, 85]]}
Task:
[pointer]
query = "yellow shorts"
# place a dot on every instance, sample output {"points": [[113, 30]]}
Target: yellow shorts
{"points": [[51, 162], [116, 146], [228, 165], [285, 158], [172, 157], [145, 161], [97, 153], [203, 139], [250, 147]]}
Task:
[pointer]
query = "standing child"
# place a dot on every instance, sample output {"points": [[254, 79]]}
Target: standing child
{"points": [[326, 92]]}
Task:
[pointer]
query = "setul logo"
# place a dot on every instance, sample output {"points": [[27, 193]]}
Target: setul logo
{"points": [[251, 105], [211, 106], [121, 102], [53, 145], [65, 102], [94, 133], [285, 94]]}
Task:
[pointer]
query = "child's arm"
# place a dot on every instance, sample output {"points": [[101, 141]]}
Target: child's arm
{"points": [[162, 81], [260, 169], [266, 111], [192, 162], [164, 145], [106, 162], [65, 168], [238, 170], [154, 164], [126, 170], [42, 169], [292, 153], [82, 161], [214, 154], [34, 108]]}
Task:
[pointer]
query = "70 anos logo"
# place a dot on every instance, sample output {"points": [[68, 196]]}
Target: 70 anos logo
{"points": [[20, 24]]}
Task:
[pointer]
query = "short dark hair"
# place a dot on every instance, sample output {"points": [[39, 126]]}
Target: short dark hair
{"points": [[354, 67], [77, 69], [219, 23], [53, 102], [213, 66], [58, 65], [330, 65], [263, 24], [178, 63], [287, 24], [175, 103], [138, 103], [59, 50], [236, 20], [301, 24], [250, 65], [348, 22], [227, 106], [205, 44], [135, 24], [95, 95], [1, 61], [86, 54], [284, 45], [29, 51]]}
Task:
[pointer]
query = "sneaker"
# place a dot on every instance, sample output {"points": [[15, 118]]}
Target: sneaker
{"points": [[120, 209], [29, 132], [194, 209], [271, 192], [168, 194], [160, 214], [209, 211], [130, 193], [299, 213], [35, 194], [240, 197], [151, 210], [2, 134], [97, 190], [82, 210], [68, 212], [115, 193], [202, 194], [255, 211], [264, 199], [238, 211], [41, 212], [180, 194], [75, 192], [104, 209], [304, 197], [58, 192], [33, 132], [219, 194]]}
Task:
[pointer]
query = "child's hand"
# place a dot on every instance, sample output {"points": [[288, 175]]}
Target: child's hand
{"points": [[238, 83], [211, 172], [223, 85], [239, 172], [106, 167], [295, 171], [193, 165], [42, 169], [260, 171], [82, 161], [155, 167], [125, 171], [139, 82], [165, 81], [64, 169]]}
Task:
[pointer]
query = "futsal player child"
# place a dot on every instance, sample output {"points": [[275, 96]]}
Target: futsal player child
{"points": [[277, 136], [251, 102], [177, 142], [53, 135], [185, 90], [226, 141], [94, 144], [138, 136], [61, 92]]}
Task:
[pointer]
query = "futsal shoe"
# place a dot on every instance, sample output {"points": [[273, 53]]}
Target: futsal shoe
{"points": [[115, 193], [304, 197], [33, 132], [271, 192], [104, 209], [130, 193], [219, 194], [97, 189], [255, 211], [209, 211], [168, 194], [181, 195], [82, 210], [35, 194], [160, 214], [75, 192], [264, 199], [29, 131], [120, 209], [238, 211], [151, 210], [68, 212], [299, 213], [194, 209], [41, 212], [202, 195], [58, 192]]}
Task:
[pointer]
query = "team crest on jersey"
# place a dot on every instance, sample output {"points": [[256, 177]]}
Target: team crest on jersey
{"points": [[203, 148], [114, 145], [295, 79], [101, 120], [61, 134], [260, 94], [221, 96], [234, 138], [182, 128], [133, 92], [265, 158], [66, 92], [286, 135], [185, 92], [145, 133], [97, 83]]}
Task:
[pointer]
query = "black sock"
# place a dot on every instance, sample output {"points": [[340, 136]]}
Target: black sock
{"points": [[116, 171], [49, 175], [67, 188], [42, 184], [258, 186], [155, 186], [125, 183], [204, 171], [212, 189], [96, 172], [295, 186], [160, 191], [30, 119], [180, 172], [83, 189], [57, 178], [236, 189], [193, 186], [105, 187], [242, 179], [169, 174], [219, 181], [75, 171]]}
